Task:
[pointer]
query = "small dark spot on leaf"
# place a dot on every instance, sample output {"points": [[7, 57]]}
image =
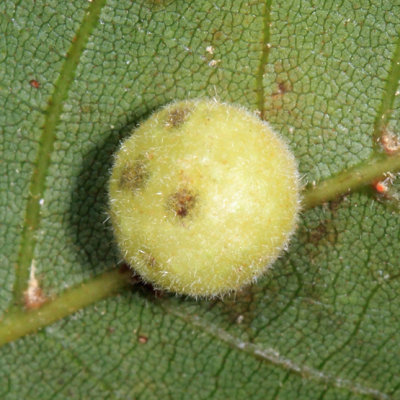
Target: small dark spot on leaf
{"points": [[283, 87], [182, 202], [326, 230], [318, 233], [217, 35], [143, 339], [177, 117], [134, 176], [34, 83]]}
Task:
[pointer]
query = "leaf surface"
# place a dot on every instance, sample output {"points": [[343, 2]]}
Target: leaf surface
{"points": [[75, 78]]}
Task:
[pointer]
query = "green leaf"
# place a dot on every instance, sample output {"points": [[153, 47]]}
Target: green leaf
{"points": [[75, 78]]}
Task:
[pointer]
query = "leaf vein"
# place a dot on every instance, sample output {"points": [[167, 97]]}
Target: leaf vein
{"points": [[272, 356], [264, 58], [37, 185], [353, 332], [389, 94]]}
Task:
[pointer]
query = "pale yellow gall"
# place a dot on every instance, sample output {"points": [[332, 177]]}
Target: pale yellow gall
{"points": [[204, 196]]}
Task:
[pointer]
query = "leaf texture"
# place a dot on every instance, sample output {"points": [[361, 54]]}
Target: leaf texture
{"points": [[76, 77]]}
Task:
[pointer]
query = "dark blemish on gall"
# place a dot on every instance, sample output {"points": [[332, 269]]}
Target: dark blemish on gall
{"points": [[182, 202], [152, 261], [135, 176], [148, 258], [177, 117], [34, 83]]}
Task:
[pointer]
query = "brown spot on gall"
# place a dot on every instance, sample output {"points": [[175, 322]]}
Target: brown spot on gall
{"points": [[148, 258], [182, 202], [176, 117], [152, 261], [134, 176]]}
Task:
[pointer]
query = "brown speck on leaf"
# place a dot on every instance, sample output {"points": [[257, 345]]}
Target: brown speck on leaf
{"points": [[182, 202], [216, 35], [176, 117], [134, 177], [283, 87], [318, 233], [143, 339], [34, 83]]}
